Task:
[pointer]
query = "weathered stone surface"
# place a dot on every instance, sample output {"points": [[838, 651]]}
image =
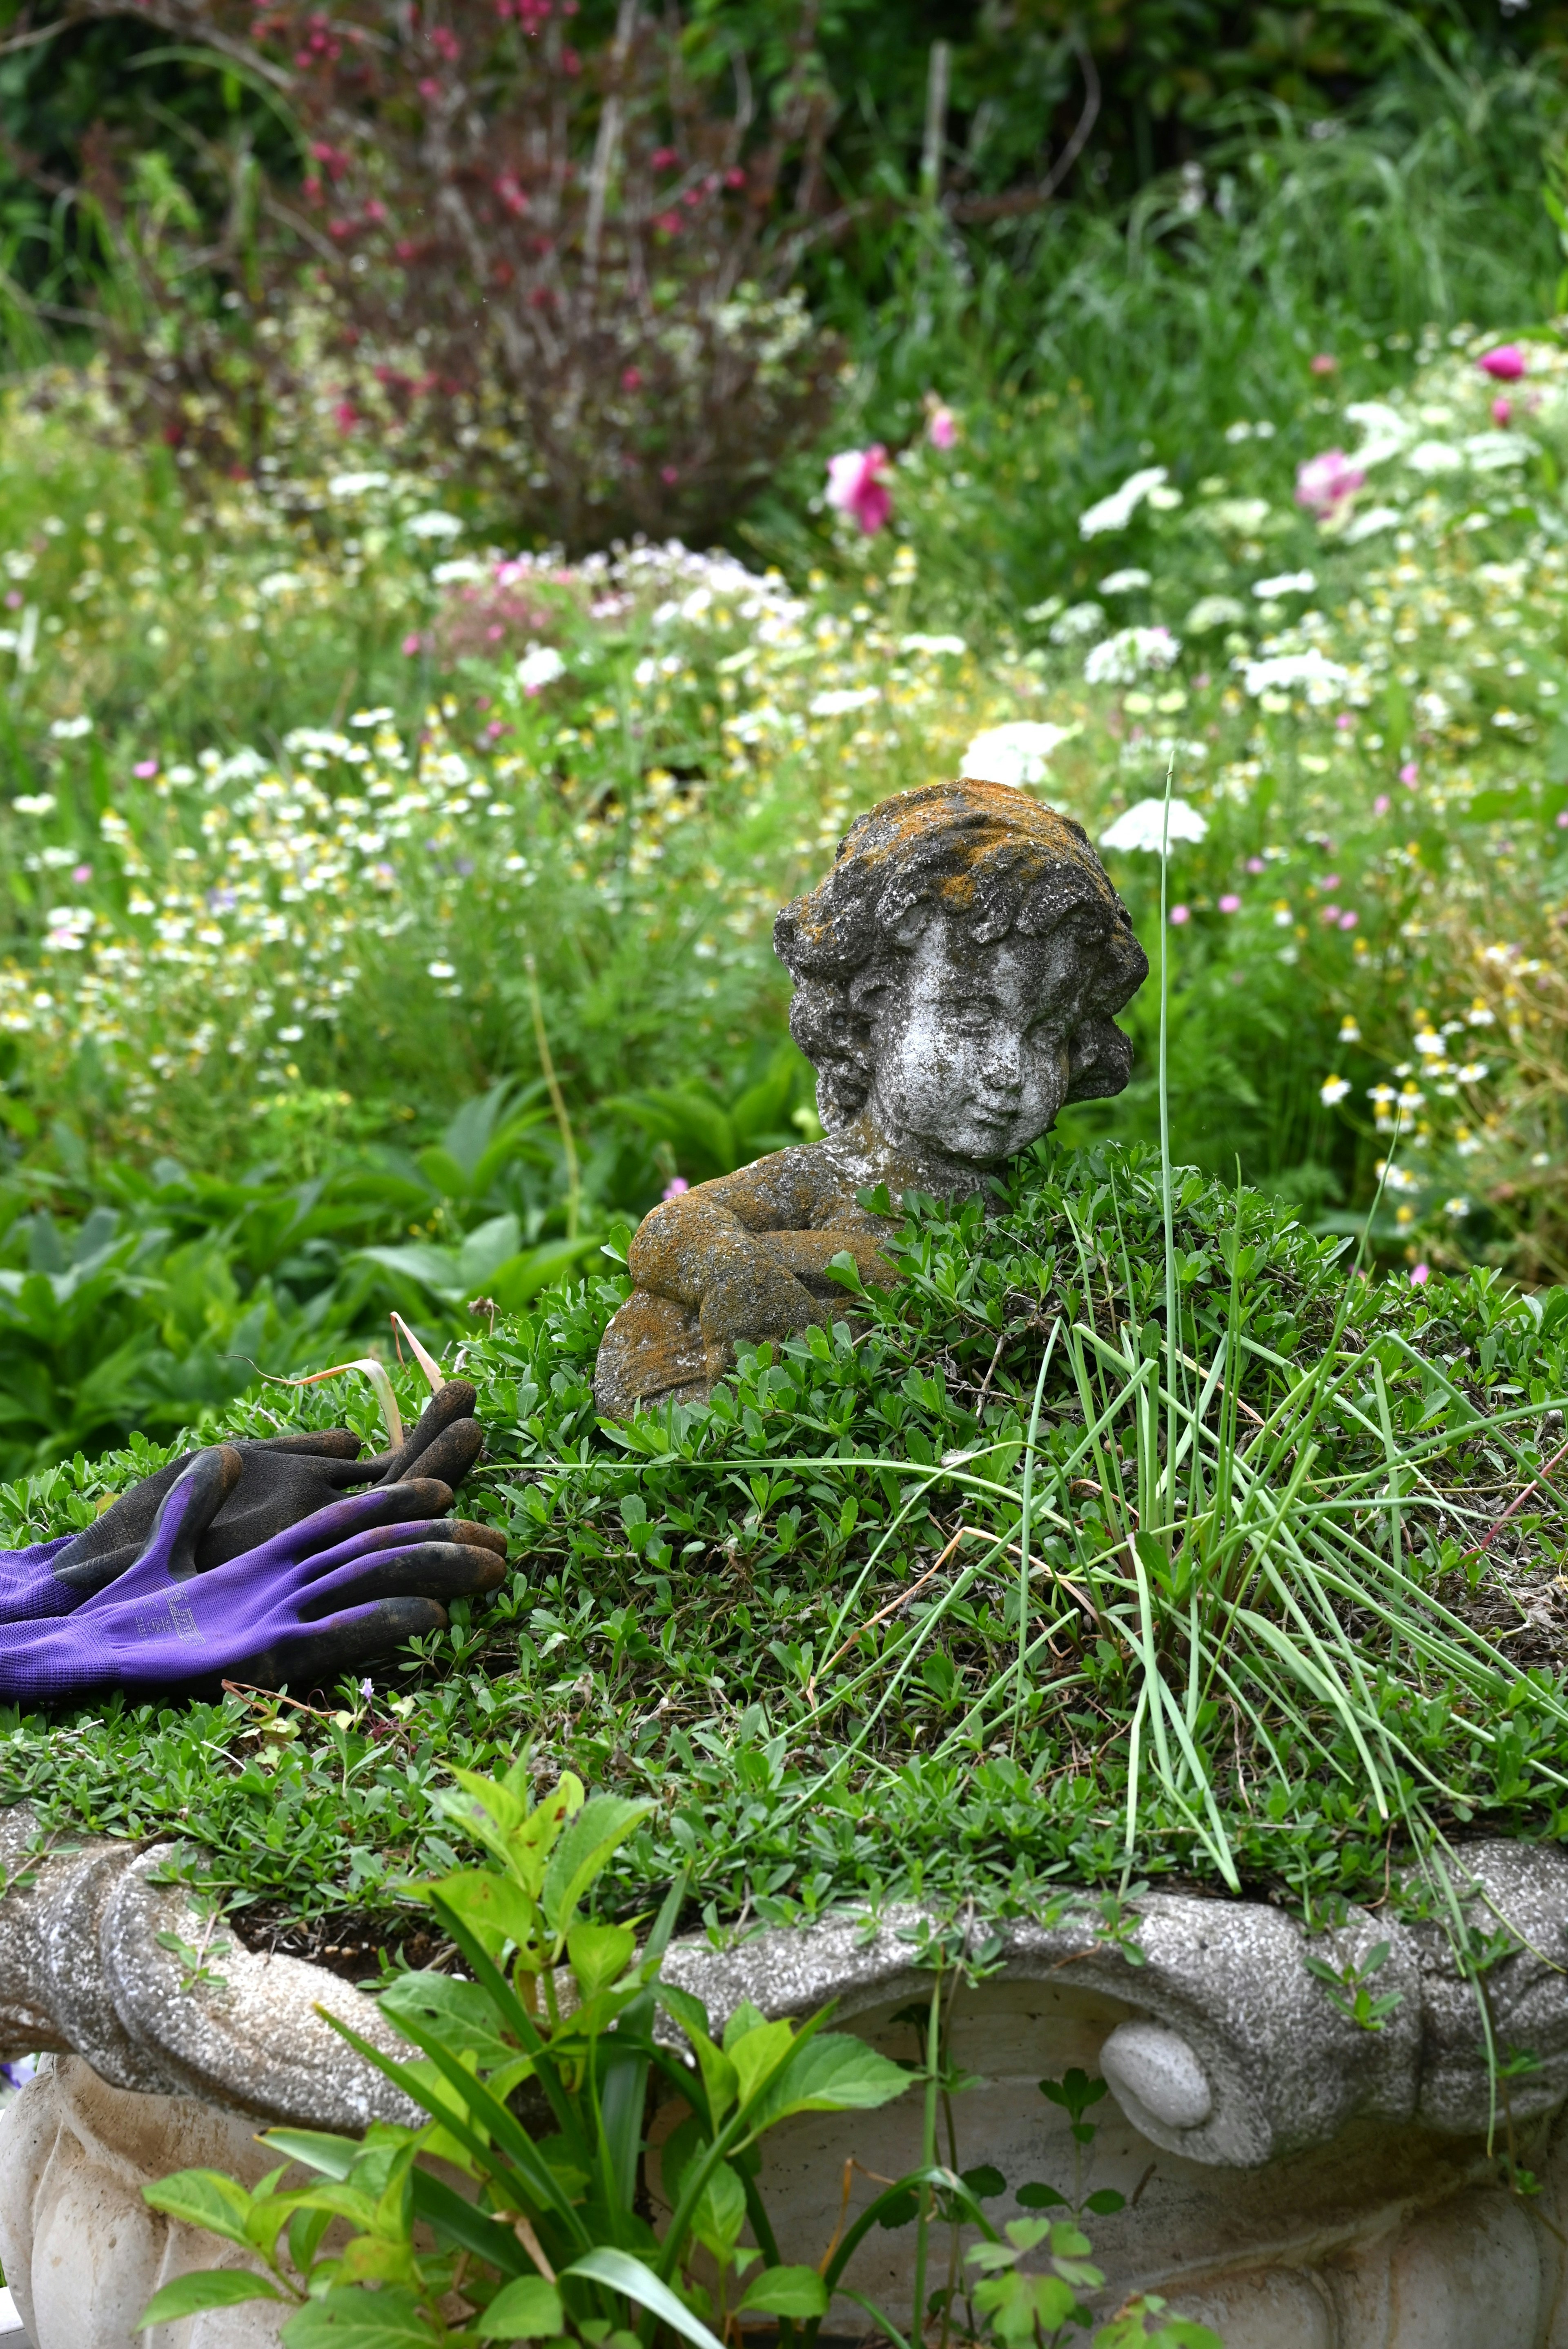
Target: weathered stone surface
{"points": [[82, 1971], [955, 977]]}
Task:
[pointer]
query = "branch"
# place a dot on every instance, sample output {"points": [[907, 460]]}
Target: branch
{"points": [[1032, 200]]}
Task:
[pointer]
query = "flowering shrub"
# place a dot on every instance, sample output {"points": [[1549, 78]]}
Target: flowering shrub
{"points": [[556, 265]]}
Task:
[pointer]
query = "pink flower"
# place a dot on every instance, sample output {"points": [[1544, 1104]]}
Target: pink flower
{"points": [[1330, 914], [855, 485], [941, 427], [1344, 721], [1331, 881], [669, 475], [1348, 921], [1255, 865], [1382, 804], [1230, 903], [1323, 484], [144, 769], [411, 644], [631, 378], [1562, 820], [1325, 364], [673, 1188], [82, 873], [1506, 363], [1501, 409], [1180, 914], [1410, 774], [1420, 1275]]}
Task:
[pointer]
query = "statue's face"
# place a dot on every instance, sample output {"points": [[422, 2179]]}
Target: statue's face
{"points": [[971, 1041]]}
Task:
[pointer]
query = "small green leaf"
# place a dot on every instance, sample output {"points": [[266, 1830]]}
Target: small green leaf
{"points": [[786, 2292], [600, 1955], [208, 2288], [623, 2273], [599, 1827], [329, 2156], [985, 2183], [388, 2318], [527, 2309], [1104, 2201], [203, 2198], [1037, 2196]]}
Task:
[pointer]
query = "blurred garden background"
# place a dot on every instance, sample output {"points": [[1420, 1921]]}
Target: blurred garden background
{"points": [[489, 490]]}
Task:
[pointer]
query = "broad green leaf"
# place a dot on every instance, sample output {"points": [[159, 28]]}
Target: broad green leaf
{"points": [[786, 2292], [208, 2288], [623, 2273], [355, 2318], [600, 1955], [203, 2198], [494, 1908], [599, 1828], [460, 2010], [688, 2011], [747, 2017], [527, 2309], [756, 2055], [833, 2073], [720, 2212]]}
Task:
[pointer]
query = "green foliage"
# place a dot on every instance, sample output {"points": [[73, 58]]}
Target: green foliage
{"points": [[576, 2259], [755, 1564]]}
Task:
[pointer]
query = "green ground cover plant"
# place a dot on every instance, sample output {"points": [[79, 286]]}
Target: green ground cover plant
{"points": [[812, 1625]]}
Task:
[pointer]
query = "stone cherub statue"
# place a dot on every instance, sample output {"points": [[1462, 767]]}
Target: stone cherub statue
{"points": [[954, 977]]}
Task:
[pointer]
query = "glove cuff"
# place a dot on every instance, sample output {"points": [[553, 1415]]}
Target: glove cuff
{"points": [[44, 1664]]}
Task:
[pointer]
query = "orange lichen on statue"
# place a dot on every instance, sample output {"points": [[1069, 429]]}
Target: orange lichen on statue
{"points": [[955, 975]]}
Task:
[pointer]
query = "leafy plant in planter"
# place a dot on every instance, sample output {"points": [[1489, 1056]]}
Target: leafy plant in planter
{"points": [[558, 2246]]}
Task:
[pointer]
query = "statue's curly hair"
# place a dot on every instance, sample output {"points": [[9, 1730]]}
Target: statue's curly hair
{"points": [[991, 858]]}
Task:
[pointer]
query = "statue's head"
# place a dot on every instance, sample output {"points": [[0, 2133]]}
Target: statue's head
{"points": [[956, 972]]}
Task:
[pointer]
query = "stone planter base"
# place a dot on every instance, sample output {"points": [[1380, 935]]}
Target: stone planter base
{"points": [[1299, 2182], [83, 2253]]}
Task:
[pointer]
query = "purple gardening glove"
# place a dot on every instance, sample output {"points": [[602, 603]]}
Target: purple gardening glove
{"points": [[319, 1600], [285, 1478]]}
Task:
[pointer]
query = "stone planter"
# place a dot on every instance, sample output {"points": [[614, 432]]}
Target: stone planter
{"points": [[1298, 2182]]}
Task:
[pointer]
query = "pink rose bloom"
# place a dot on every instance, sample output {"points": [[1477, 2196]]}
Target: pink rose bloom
{"points": [[941, 429], [1323, 482], [1501, 409], [855, 485], [1506, 363], [1230, 903]]}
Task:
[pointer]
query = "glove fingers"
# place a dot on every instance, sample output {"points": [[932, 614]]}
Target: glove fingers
{"points": [[403, 1535], [456, 1400], [103, 1551], [416, 1500], [190, 1506], [318, 1443], [429, 1569], [450, 1454], [334, 1650]]}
